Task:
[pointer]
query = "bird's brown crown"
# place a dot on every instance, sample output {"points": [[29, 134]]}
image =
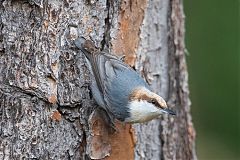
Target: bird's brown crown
{"points": [[144, 94]]}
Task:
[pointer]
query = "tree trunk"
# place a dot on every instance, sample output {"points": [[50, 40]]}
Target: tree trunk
{"points": [[46, 108]]}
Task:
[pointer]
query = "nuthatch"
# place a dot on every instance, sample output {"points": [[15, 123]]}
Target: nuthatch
{"points": [[119, 89]]}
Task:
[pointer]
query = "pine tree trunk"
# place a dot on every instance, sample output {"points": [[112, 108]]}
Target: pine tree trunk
{"points": [[46, 108]]}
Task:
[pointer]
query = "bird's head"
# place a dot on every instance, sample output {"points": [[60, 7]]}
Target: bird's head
{"points": [[145, 105]]}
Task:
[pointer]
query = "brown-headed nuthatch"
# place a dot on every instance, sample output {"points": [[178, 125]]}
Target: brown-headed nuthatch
{"points": [[118, 88]]}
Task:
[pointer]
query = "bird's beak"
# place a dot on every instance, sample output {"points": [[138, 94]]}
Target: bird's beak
{"points": [[168, 111]]}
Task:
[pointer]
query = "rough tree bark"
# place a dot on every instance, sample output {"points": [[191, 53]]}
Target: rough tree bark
{"points": [[46, 108]]}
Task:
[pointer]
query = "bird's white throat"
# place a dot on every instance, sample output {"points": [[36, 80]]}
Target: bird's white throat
{"points": [[142, 111]]}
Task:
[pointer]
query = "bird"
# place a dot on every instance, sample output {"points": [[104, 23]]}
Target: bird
{"points": [[118, 88]]}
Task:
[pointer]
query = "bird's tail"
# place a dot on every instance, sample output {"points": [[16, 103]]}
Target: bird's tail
{"points": [[86, 46]]}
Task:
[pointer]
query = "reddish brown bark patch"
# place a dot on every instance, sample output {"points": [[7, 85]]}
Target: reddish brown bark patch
{"points": [[56, 116], [122, 142], [52, 99], [104, 143], [98, 143], [131, 17]]}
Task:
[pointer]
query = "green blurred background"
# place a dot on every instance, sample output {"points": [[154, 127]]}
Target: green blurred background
{"points": [[212, 44]]}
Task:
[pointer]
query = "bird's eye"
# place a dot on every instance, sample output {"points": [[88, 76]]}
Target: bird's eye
{"points": [[153, 102]]}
